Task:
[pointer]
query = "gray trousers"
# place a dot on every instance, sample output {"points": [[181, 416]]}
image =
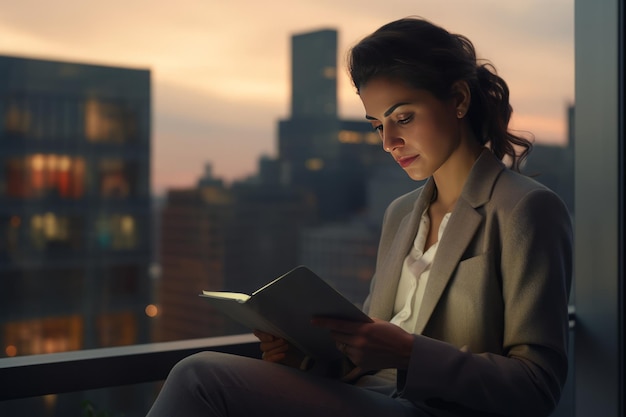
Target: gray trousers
{"points": [[217, 384]]}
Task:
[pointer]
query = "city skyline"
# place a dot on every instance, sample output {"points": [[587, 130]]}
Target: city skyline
{"points": [[219, 89]]}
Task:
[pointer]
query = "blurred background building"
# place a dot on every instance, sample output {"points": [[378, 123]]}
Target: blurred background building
{"points": [[88, 258], [307, 206], [320, 203], [75, 230]]}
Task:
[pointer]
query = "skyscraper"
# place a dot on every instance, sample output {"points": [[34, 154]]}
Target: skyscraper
{"points": [[74, 205], [194, 225], [318, 150], [314, 75]]}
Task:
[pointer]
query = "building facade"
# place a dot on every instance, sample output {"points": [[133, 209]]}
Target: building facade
{"points": [[74, 206], [216, 237]]}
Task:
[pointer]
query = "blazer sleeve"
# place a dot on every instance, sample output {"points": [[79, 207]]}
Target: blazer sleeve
{"points": [[526, 376]]}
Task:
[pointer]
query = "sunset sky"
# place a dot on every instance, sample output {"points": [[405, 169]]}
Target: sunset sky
{"points": [[221, 70]]}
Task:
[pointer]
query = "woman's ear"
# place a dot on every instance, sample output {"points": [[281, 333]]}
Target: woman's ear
{"points": [[462, 97]]}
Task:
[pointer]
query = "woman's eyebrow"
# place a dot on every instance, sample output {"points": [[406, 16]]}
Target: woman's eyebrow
{"points": [[389, 110]]}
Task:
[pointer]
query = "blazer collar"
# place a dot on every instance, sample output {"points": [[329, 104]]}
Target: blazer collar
{"points": [[460, 231], [482, 178]]}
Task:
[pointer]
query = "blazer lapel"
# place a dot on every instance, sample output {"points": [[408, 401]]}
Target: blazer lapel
{"points": [[461, 228], [388, 275], [464, 221]]}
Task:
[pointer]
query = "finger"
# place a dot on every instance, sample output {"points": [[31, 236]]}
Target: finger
{"points": [[262, 336], [268, 348], [277, 357], [276, 354], [265, 346], [345, 349]]}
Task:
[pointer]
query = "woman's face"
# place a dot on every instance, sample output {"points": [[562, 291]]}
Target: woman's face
{"points": [[420, 131]]}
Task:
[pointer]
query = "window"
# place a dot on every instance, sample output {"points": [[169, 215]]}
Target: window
{"points": [[110, 121], [600, 189], [116, 231], [76, 168], [41, 175], [49, 230], [118, 178]]}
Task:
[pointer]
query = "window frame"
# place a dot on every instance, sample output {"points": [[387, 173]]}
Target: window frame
{"points": [[599, 290], [599, 221]]}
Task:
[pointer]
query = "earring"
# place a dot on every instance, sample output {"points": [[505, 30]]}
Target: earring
{"points": [[459, 114]]}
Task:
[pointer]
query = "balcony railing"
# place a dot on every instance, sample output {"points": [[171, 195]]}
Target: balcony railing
{"points": [[56, 373]]}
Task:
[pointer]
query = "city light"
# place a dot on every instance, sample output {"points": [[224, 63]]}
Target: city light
{"points": [[10, 351], [152, 310]]}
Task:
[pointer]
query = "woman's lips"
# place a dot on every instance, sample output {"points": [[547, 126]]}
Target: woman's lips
{"points": [[405, 161]]}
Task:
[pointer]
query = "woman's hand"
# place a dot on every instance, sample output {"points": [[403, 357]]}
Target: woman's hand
{"points": [[278, 350], [370, 346]]}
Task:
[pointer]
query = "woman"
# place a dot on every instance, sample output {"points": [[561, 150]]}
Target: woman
{"points": [[473, 271]]}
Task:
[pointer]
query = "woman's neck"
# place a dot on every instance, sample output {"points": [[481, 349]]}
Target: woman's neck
{"points": [[451, 177]]}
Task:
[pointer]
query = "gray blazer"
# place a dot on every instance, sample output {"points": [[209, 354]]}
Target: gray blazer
{"points": [[492, 330]]}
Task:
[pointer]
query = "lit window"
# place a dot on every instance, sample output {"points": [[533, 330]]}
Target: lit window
{"points": [[115, 181], [314, 164], [330, 73], [51, 229], [109, 122], [372, 138], [43, 335], [116, 232], [17, 120], [348, 136], [43, 175]]}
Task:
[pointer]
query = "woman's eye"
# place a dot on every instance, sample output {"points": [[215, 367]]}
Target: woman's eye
{"points": [[404, 120], [378, 128]]}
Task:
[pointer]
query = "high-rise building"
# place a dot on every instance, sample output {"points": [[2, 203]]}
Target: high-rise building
{"points": [[314, 75], [317, 149], [74, 206], [193, 231], [233, 238]]}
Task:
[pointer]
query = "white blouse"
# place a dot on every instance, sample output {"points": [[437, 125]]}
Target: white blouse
{"points": [[414, 276]]}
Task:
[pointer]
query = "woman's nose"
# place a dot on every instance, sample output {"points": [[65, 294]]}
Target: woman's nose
{"points": [[391, 139]]}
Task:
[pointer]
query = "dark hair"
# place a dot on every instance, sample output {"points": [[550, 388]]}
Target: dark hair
{"points": [[426, 56]]}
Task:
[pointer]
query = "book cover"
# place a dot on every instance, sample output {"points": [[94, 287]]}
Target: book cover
{"points": [[285, 306]]}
